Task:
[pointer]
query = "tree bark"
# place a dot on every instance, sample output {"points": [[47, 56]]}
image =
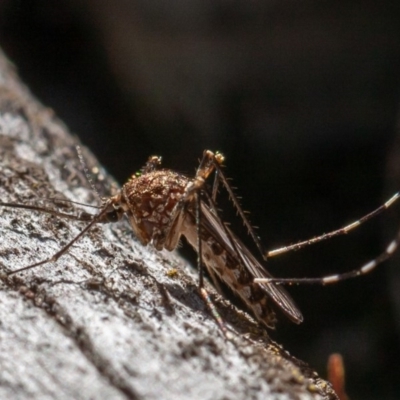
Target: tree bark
{"points": [[109, 319]]}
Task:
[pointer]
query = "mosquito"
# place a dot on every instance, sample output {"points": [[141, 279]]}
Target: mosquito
{"points": [[163, 205]]}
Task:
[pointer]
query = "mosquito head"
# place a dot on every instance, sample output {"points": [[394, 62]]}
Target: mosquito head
{"points": [[112, 210]]}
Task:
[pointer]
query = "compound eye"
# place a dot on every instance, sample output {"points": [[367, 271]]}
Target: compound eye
{"points": [[113, 216]]}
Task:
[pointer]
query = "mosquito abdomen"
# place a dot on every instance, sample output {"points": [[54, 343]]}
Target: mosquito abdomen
{"points": [[220, 262]]}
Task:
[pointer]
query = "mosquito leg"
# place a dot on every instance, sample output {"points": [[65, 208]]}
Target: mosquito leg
{"points": [[203, 292], [235, 201], [363, 270], [338, 232], [200, 264], [60, 200], [61, 252], [214, 191], [206, 297], [205, 168], [83, 217]]}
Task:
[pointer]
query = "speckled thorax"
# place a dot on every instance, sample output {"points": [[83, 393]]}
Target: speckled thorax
{"points": [[149, 201]]}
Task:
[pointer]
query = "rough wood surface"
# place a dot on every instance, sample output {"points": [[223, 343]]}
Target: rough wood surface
{"points": [[108, 320]]}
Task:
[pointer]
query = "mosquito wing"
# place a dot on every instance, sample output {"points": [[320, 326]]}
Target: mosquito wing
{"points": [[232, 244]]}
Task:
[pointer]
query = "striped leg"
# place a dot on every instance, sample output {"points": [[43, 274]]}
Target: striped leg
{"points": [[342, 231], [363, 270]]}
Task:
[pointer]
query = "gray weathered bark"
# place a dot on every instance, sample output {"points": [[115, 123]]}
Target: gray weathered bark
{"points": [[109, 320]]}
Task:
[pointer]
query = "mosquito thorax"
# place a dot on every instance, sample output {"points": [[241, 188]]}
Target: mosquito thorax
{"points": [[150, 200]]}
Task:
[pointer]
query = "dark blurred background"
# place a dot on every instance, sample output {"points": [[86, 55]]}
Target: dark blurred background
{"points": [[301, 97]]}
